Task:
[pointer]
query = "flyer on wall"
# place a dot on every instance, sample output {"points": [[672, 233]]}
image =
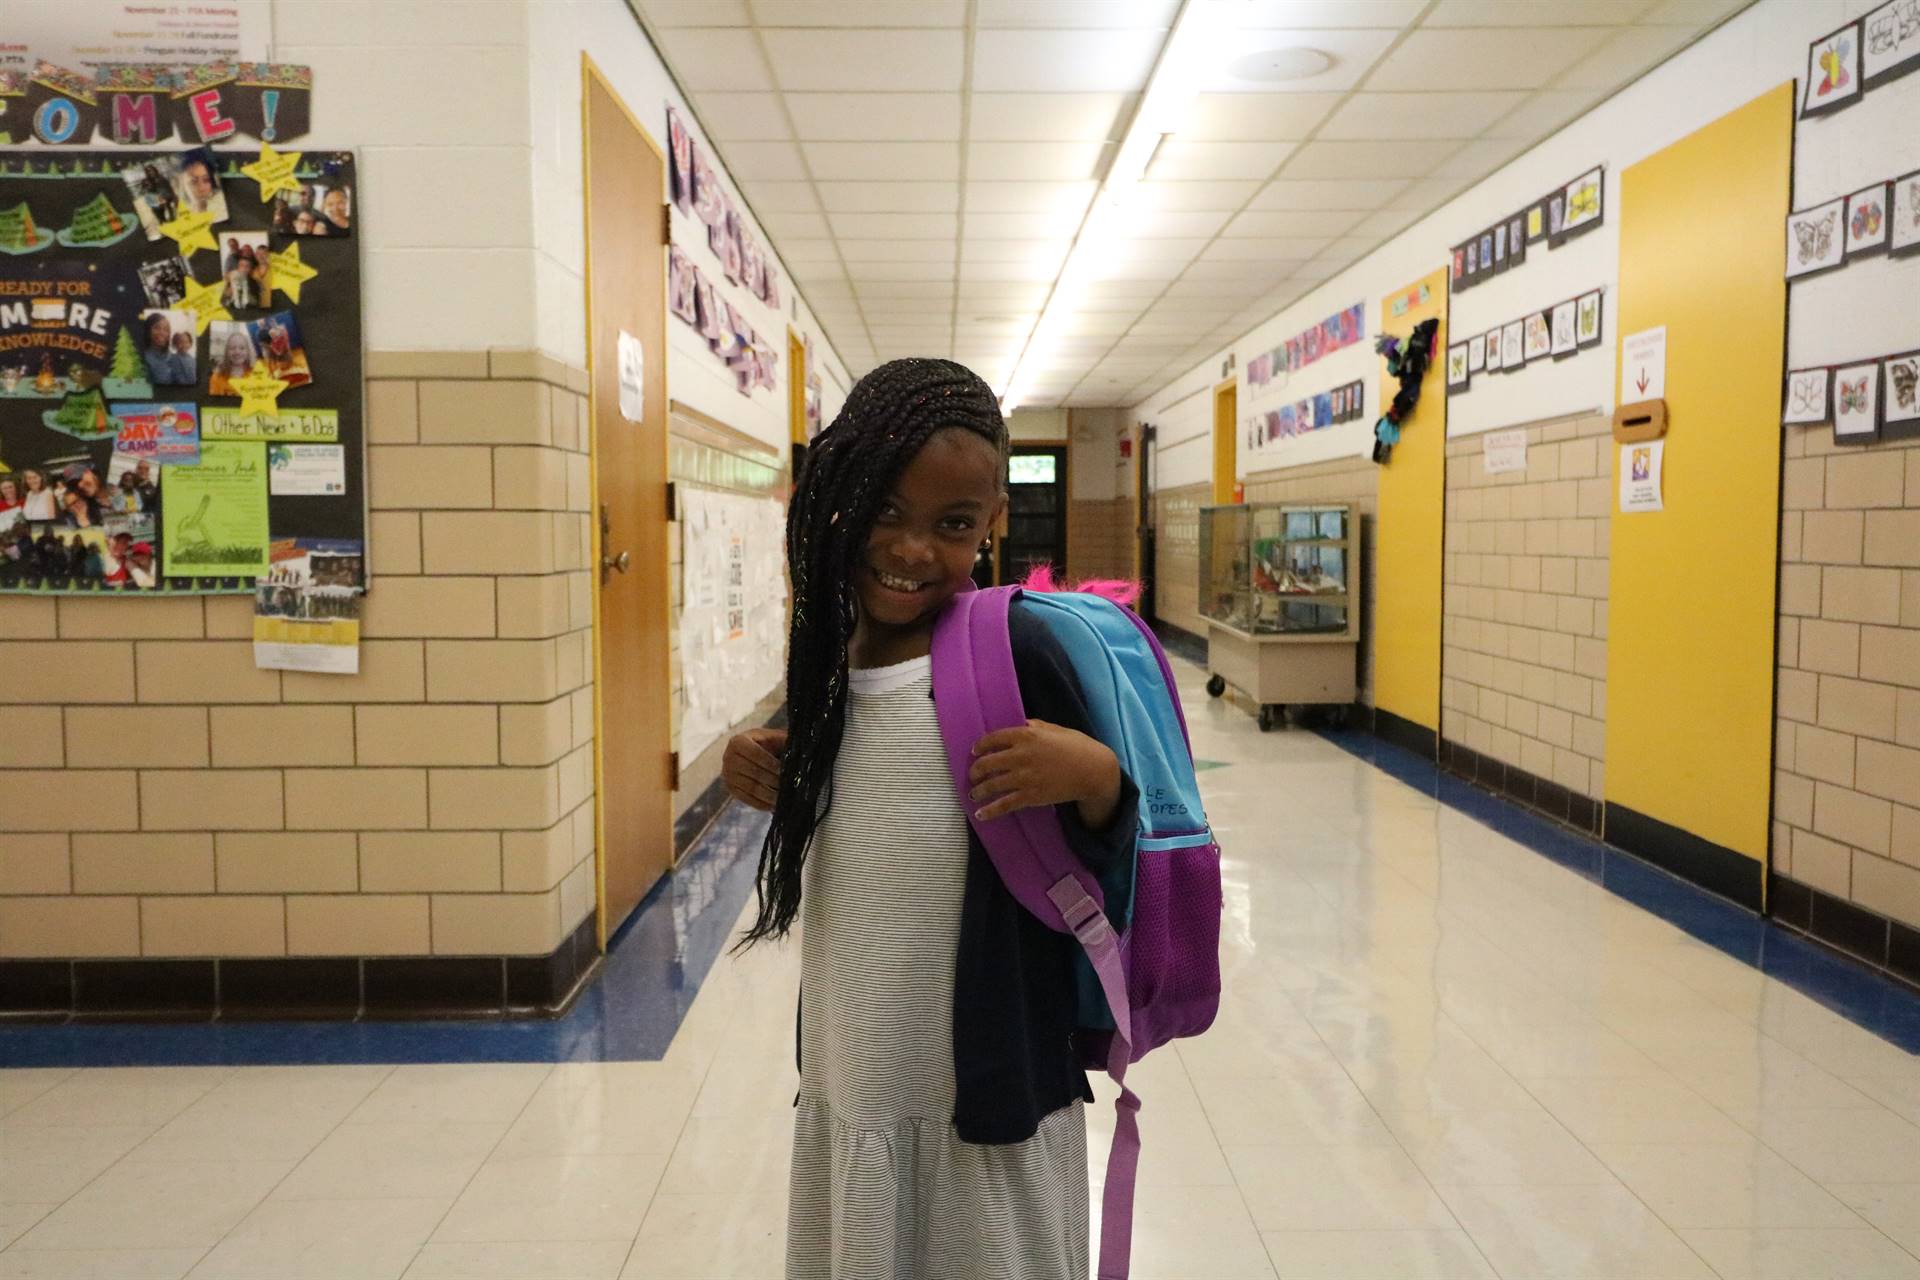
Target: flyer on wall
{"points": [[1640, 467]]}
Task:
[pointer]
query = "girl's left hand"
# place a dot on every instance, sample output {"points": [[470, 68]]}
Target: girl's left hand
{"points": [[1044, 764]]}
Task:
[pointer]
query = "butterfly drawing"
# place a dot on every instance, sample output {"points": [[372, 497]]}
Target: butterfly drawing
{"points": [[1808, 395], [1904, 376], [1853, 396], [1816, 239], [1866, 219], [1833, 65], [1585, 203], [1913, 203]]}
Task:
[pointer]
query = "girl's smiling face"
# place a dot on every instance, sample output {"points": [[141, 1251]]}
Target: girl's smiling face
{"points": [[929, 530]]}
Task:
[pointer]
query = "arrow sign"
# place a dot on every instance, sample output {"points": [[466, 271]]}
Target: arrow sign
{"points": [[1643, 363]]}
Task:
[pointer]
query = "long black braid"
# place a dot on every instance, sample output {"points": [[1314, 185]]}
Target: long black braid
{"points": [[888, 416]]}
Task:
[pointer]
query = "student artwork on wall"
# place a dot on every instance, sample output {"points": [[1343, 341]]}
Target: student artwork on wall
{"points": [[1457, 376], [1345, 403], [1867, 220], [1539, 335], [1583, 197], [1833, 71], [1513, 350], [1900, 394], [1565, 342], [1567, 211], [1903, 217], [1890, 42], [1493, 350], [1561, 331], [1809, 398], [1816, 239], [1856, 403], [691, 295], [1586, 322], [1267, 372], [1476, 353]]}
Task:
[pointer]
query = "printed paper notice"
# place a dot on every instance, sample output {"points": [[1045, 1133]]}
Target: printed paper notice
{"points": [[633, 378], [1505, 451], [1643, 365], [299, 470], [1640, 466], [214, 515], [308, 425]]}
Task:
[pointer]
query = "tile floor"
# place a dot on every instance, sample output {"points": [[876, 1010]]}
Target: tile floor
{"points": [[1440, 1055]]}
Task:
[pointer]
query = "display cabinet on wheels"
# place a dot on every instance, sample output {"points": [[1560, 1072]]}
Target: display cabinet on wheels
{"points": [[1280, 590]]}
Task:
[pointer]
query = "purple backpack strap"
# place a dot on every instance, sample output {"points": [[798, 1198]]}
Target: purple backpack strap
{"points": [[976, 692]]}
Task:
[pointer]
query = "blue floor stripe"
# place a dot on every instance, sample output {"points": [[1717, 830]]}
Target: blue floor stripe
{"points": [[653, 971], [1870, 1000]]}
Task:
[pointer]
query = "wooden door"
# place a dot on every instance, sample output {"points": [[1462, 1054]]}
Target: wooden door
{"points": [[1225, 441], [1036, 511], [626, 293]]}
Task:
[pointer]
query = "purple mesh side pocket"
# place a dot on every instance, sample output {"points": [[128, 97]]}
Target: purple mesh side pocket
{"points": [[1173, 948]]}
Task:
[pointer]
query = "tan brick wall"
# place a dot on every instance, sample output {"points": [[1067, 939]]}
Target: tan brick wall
{"points": [[169, 799], [1100, 538], [1524, 662], [1847, 754], [1355, 481], [1176, 554]]}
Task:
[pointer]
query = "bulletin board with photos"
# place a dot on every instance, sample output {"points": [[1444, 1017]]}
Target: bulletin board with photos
{"points": [[180, 371]]}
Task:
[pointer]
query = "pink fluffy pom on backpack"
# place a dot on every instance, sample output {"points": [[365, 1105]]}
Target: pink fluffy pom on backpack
{"points": [[1119, 590]]}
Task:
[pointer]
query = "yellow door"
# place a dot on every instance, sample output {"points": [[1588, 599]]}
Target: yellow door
{"points": [[1226, 400]]}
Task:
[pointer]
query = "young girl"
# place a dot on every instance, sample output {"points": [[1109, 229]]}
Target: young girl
{"points": [[940, 1128]]}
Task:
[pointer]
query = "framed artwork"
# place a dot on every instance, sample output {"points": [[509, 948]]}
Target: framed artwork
{"points": [[1476, 353], [1516, 241], [1816, 239], [1565, 340], [1493, 351], [1903, 215], [1900, 394], [1513, 351], [1537, 221], [1584, 195], [1486, 251], [1457, 367], [1556, 216], [1500, 247], [1867, 220], [1586, 319], [1833, 71], [1473, 260], [1809, 396], [1890, 42], [1856, 403], [1539, 336], [1459, 266]]}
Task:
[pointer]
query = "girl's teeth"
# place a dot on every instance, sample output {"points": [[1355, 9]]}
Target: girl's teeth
{"points": [[896, 584]]}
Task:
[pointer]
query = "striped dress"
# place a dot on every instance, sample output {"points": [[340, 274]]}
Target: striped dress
{"points": [[882, 1188]]}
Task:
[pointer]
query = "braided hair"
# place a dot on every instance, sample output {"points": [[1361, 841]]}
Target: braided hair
{"points": [[889, 415]]}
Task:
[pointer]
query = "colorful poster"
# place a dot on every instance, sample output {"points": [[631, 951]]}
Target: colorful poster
{"points": [[161, 433], [1640, 466], [214, 514], [306, 610]]}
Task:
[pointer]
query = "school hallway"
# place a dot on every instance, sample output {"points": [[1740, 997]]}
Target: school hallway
{"points": [[1445, 1050]]}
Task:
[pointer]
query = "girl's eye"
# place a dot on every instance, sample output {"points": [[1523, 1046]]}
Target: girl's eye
{"points": [[957, 524], [888, 511]]}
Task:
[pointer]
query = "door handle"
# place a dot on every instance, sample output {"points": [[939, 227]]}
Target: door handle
{"points": [[621, 562]]}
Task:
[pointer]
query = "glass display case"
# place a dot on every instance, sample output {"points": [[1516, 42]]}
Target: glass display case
{"points": [[1279, 588]]}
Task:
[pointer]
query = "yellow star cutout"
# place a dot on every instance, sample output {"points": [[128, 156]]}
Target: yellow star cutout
{"points": [[288, 272], [259, 390], [204, 301], [191, 231], [273, 171]]}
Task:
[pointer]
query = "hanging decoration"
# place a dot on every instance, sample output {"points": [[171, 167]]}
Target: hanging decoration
{"points": [[140, 104], [1408, 362]]}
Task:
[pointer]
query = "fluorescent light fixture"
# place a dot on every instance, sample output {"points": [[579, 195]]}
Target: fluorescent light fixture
{"points": [[1170, 93]]}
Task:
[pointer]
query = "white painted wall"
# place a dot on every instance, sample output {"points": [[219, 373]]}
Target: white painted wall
{"points": [[1757, 50], [1183, 414]]}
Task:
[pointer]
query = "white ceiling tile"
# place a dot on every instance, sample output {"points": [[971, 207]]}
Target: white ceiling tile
{"points": [[1387, 223], [1312, 193], [1029, 197], [858, 252], [743, 116], [1254, 117], [723, 58], [1331, 13], [1353, 53], [1292, 222], [795, 251], [883, 161], [1481, 157], [809, 272], [1430, 194], [903, 289], [1077, 13], [1001, 297], [1244, 160], [1520, 13], [1694, 13], [781, 197], [875, 117], [1036, 161], [1173, 249], [1135, 289], [696, 13], [766, 161], [1419, 115], [1630, 54], [1348, 249], [1049, 117], [1540, 114], [860, 13], [975, 270], [1029, 250], [890, 197], [1369, 159], [795, 226], [1265, 249], [1197, 196], [895, 226], [1064, 61], [1117, 268], [1014, 226], [1487, 58], [1099, 323], [855, 59], [1174, 222]]}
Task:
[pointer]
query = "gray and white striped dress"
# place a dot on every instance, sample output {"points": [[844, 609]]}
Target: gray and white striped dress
{"points": [[882, 1188]]}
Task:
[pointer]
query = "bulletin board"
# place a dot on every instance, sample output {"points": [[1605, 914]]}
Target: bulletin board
{"points": [[133, 461], [733, 618]]}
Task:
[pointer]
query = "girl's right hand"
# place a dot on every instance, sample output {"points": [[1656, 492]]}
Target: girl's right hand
{"points": [[751, 766]]}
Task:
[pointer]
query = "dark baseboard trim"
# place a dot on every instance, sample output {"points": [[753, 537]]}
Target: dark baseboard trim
{"points": [[1404, 733], [1181, 642], [1582, 813], [343, 989], [1865, 935], [706, 807], [1711, 866]]}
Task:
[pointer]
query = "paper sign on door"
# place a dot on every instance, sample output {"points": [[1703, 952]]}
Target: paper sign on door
{"points": [[633, 378]]}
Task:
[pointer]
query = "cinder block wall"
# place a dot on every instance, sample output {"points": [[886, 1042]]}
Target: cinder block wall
{"points": [[1100, 538], [1176, 553], [1525, 605], [166, 798], [1847, 756]]}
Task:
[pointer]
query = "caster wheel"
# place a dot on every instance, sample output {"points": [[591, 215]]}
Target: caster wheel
{"points": [[1269, 717], [1216, 686]]}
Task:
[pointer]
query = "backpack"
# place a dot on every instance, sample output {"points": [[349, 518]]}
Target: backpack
{"points": [[1153, 974]]}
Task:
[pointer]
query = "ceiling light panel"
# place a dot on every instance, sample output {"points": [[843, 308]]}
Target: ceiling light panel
{"points": [[1178, 160], [1049, 117]]}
